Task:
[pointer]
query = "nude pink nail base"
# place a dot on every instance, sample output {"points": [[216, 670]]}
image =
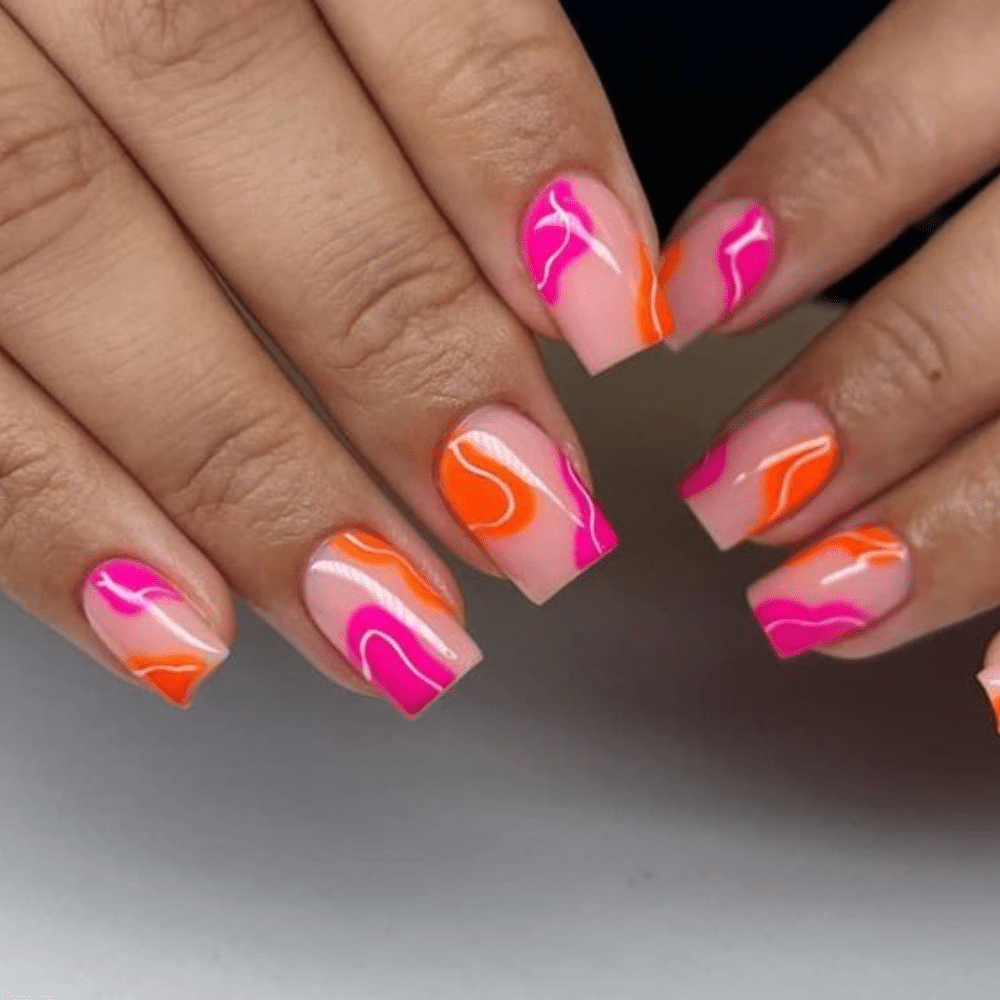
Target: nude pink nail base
{"points": [[387, 621], [594, 272], [832, 590], [523, 500], [715, 268], [762, 472], [152, 629]]}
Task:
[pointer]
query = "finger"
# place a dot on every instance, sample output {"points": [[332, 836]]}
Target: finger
{"points": [[105, 305], [85, 551], [910, 368], [989, 678], [497, 105], [328, 236], [916, 560], [904, 119]]}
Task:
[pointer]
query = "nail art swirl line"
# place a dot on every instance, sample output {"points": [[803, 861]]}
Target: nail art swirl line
{"points": [[366, 668], [492, 447], [744, 256], [390, 656], [133, 600], [595, 538], [557, 209], [370, 548], [386, 599], [794, 627], [781, 469]]}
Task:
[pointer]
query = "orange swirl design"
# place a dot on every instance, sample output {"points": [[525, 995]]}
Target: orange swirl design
{"points": [[175, 676], [795, 475], [486, 496], [373, 550], [871, 546], [653, 316]]}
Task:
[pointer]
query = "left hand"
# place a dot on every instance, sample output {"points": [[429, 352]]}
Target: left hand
{"points": [[883, 437]]}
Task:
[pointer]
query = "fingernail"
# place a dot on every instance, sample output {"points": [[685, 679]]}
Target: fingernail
{"points": [[594, 272], [762, 472], [990, 680], [152, 629], [716, 267], [834, 589], [387, 621], [524, 501]]}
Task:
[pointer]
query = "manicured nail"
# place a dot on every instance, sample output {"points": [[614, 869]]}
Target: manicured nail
{"points": [[990, 680], [392, 625], [834, 589], [524, 501], [716, 267], [152, 629], [594, 272], [762, 472]]}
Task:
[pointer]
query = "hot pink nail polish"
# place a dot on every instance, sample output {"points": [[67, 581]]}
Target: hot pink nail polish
{"points": [[836, 588], [762, 472], [990, 681], [393, 626], [716, 267], [151, 628], [594, 272], [524, 501]]}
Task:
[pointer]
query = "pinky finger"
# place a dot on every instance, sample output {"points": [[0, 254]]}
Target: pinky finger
{"points": [[84, 550]]}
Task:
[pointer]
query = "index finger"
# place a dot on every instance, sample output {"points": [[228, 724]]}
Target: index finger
{"points": [[501, 112]]}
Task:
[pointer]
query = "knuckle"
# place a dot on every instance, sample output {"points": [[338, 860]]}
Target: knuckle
{"points": [[517, 99], [401, 338], [909, 357], [252, 472], [857, 135], [37, 489], [49, 163], [212, 39]]}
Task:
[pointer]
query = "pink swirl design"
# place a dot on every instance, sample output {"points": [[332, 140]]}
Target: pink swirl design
{"points": [[129, 588], [554, 236], [707, 472], [390, 656], [594, 537], [794, 627], [745, 256]]}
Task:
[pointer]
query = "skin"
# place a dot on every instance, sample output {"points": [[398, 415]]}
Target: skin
{"points": [[904, 120], [356, 173]]}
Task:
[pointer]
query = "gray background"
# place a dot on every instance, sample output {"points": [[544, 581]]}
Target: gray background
{"points": [[630, 798]]}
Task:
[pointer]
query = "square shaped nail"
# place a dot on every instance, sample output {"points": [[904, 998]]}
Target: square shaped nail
{"points": [[387, 620], [522, 498], [594, 272], [717, 266], [834, 589], [151, 628], [762, 472]]}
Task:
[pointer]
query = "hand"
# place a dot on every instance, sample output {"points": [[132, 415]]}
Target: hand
{"points": [[358, 173], [882, 438]]}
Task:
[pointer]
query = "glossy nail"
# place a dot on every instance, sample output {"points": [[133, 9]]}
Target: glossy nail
{"points": [[387, 621], [152, 629], [989, 678], [710, 272], [524, 501], [762, 472], [594, 272], [840, 586]]}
